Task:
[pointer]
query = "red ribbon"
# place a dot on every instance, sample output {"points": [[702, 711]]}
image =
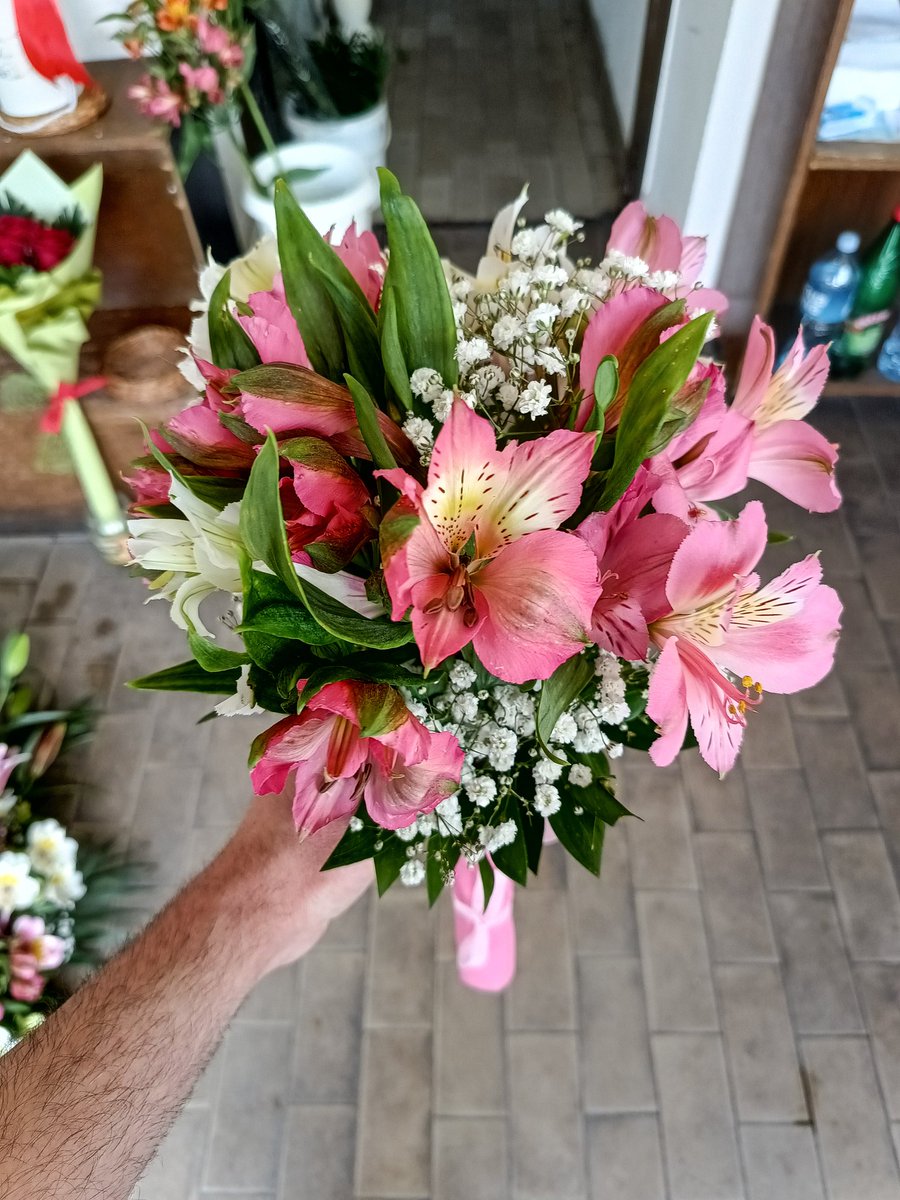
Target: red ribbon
{"points": [[51, 421], [45, 41]]}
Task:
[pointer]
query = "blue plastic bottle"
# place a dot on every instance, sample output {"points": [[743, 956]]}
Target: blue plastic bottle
{"points": [[889, 358], [828, 295]]}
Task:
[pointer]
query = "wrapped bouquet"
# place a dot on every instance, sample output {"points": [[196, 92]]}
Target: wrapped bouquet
{"points": [[48, 285], [470, 534]]}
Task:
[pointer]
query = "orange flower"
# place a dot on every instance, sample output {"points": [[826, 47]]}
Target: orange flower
{"points": [[134, 46], [175, 15], [214, 5]]}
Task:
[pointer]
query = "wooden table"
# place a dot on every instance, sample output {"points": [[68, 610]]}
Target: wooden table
{"points": [[148, 251]]}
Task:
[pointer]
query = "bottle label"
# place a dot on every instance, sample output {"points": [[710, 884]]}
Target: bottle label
{"points": [[862, 342], [858, 324]]}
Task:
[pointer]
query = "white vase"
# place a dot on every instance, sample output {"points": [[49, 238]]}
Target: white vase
{"points": [[344, 190], [24, 93], [368, 133]]}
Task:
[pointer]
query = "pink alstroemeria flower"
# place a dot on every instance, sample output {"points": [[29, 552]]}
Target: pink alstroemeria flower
{"points": [[31, 951], [272, 328], [215, 40], [659, 243], [155, 98], [362, 256], [204, 80], [328, 511], [787, 453], [634, 554], [150, 485], [9, 760], [477, 553], [725, 640], [356, 740]]}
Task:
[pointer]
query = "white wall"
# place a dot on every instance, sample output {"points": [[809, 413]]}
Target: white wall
{"points": [[620, 24], [91, 41], [712, 72]]}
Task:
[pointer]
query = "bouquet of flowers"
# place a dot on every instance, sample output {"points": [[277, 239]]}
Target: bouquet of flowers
{"points": [[48, 286], [201, 54], [53, 893], [470, 534]]}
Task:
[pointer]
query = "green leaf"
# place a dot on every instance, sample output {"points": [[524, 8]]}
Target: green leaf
{"points": [[600, 800], [229, 345], [487, 881], [306, 259], [512, 860], [606, 387], [563, 687], [273, 609], [415, 281], [776, 538], [356, 845], [212, 657], [581, 835], [656, 381], [188, 677], [367, 418], [239, 427], [360, 331], [392, 351], [388, 861], [209, 488]]}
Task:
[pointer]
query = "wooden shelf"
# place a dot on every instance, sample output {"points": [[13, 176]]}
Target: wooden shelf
{"points": [[855, 156]]}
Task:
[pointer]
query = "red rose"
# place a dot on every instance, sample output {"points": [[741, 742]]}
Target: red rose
{"points": [[50, 246], [15, 241]]}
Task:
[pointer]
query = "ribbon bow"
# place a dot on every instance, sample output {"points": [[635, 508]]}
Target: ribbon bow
{"points": [[51, 421], [474, 949]]}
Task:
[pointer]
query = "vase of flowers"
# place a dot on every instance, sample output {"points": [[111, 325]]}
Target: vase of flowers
{"points": [[335, 81]]}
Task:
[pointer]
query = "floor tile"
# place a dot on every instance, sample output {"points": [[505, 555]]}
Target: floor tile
{"points": [[318, 1152], [470, 1159], [393, 1145], [733, 897], [469, 1061], [781, 1164], [547, 1151], [616, 1072], [836, 774], [866, 893], [878, 985], [329, 1032], [675, 959], [625, 1158], [854, 1137], [602, 910], [660, 842], [786, 829], [542, 995]]}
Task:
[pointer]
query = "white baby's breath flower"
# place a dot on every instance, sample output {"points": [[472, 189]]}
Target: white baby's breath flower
{"points": [[564, 730], [541, 318], [461, 675], [425, 383], [421, 433], [482, 790], [535, 399], [412, 873], [545, 770], [550, 275], [441, 405], [572, 301], [546, 799], [494, 837], [464, 707], [449, 816], [507, 331], [472, 351], [625, 264], [508, 395], [562, 222], [552, 360], [406, 833], [530, 244], [663, 281], [580, 775], [355, 824]]}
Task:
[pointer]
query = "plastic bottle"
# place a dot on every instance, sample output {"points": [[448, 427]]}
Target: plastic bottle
{"points": [[827, 298], [889, 358], [873, 304]]}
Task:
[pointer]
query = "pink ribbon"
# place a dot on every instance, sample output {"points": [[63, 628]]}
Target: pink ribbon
{"points": [[51, 420]]}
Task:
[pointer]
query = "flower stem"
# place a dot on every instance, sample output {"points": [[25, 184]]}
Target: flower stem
{"points": [[261, 127]]}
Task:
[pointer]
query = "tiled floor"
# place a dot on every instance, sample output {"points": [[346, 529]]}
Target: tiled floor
{"points": [[489, 94], [717, 1017]]}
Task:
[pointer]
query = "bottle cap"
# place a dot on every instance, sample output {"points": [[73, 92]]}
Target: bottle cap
{"points": [[848, 241]]}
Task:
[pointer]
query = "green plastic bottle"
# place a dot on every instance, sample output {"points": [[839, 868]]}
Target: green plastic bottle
{"points": [[873, 303]]}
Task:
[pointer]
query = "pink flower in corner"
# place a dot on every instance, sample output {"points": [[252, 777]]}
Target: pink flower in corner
{"points": [[155, 98], [272, 328], [725, 640], [217, 41], [478, 556], [362, 256], [204, 80], [31, 951], [787, 453], [356, 740]]}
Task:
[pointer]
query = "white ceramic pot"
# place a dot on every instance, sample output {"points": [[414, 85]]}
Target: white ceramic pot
{"points": [[24, 93], [345, 190], [368, 133]]}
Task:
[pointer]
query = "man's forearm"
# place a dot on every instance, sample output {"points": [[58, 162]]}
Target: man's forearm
{"points": [[86, 1099]]}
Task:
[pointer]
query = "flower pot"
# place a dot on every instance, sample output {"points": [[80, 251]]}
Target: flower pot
{"points": [[345, 190], [368, 133]]}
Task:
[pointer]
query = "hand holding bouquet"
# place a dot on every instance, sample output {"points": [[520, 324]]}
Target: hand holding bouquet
{"points": [[471, 535]]}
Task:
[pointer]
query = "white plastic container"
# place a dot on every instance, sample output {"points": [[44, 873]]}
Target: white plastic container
{"points": [[24, 94], [345, 190], [368, 133]]}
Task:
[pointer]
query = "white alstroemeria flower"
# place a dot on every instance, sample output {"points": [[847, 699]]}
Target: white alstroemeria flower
{"points": [[254, 271], [340, 585], [18, 887], [243, 702], [50, 848], [498, 255], [7, 802], [7, 1041], [197, 556]]}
